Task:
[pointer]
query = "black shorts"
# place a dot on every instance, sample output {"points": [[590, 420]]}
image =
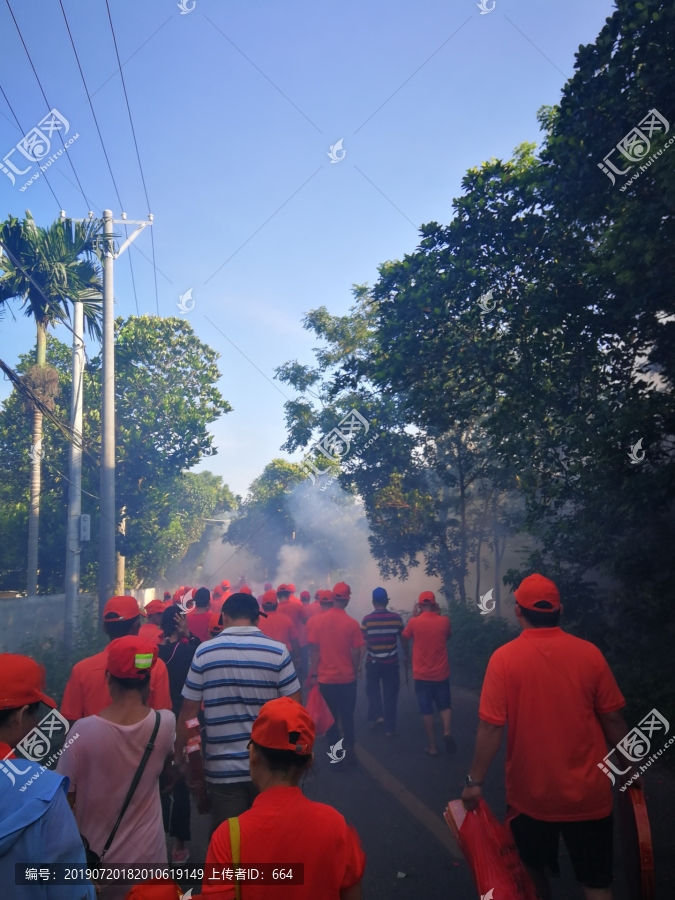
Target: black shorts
{"points": [[589, 844]]}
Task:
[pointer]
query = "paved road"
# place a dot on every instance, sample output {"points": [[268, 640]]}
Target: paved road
{"points": [[396, 795]]}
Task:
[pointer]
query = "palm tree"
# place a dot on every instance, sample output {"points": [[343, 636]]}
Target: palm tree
{"points": [[44, 269]]}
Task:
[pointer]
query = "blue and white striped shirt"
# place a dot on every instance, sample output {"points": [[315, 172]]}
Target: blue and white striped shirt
{"points": [[235, 674]]}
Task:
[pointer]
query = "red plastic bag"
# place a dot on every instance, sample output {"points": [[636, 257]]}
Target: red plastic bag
{"points": [[317, 707], [491, 853]]}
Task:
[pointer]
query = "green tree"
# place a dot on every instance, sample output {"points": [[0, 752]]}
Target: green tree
{"points": [[44, 269]]}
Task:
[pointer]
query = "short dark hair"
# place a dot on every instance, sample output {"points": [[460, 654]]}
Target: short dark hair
{"points": [[170, 616], [242, 606], [116, 629], [5, 714], [284, 761], [202, 597], [131, 684], [540, 618]]}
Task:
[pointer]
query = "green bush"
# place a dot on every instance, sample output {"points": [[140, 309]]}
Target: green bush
{"points": [[474, 640]]}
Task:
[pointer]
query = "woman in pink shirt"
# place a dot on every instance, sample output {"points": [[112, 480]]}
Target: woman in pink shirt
{"points": [[103, 759]]}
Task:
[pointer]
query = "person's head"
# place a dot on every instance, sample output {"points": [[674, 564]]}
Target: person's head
{"points": [[215, 624], [269, 601], [22, 682], [121, 617], [326, 599], [225, 585], [173, 624], [153, 611], [240, 609], [305, 597], [282, 740], [291, 588], [537, 603], [268, 586], [129, 663], [167, 596], [202, 598], [283, 593], [380, 598], [245, 589], [427, 602], [341, 594]]}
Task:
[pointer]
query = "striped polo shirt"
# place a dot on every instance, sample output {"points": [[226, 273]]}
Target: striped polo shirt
{"points": [[234, 674], [381, 629]]}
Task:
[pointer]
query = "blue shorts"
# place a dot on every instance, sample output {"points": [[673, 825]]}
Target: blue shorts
{"points": [[432, 692]]}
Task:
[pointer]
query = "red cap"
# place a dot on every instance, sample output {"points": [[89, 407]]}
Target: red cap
{"points": [[121, 609], [131, 656], [167, 595], [427, 597], [305, 595], [291, 587], [283, 588], [538, 594], [225, 584], [325, 596], [22, 681], [150, 632], [283, 724], [342, 591], [215, 625], [268, 585], [245, 589], [154, 607], [270, 597]]}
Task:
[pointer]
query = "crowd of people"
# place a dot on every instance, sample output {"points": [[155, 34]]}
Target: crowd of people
{"points": [[200, 698]]}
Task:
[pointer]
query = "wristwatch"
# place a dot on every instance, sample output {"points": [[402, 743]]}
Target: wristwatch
{"points": [[469, 782]]}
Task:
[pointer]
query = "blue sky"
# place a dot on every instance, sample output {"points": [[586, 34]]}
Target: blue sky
{"points": [[235, 106]]}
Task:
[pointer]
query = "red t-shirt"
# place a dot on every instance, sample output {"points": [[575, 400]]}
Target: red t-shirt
{"points": [[550, 686], [294, 609], [337, 634], [198, 623], [430, 632], [309, 609], [87, 693], [284, 826], [279, 628]]}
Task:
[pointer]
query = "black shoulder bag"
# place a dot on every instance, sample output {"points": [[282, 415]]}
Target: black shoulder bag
{"points": [[93, 859]]}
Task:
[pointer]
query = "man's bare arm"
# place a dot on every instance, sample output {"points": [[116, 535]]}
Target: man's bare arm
{"points": [[488, 740], [189, 710], [614, 726], [352, 893]]}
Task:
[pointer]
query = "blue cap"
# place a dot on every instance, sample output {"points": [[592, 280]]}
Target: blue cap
{"points": [[380, 594]]}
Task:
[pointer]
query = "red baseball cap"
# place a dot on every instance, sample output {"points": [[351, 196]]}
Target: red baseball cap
{"points": [[283, 724], [538, 594], [22, 682], [245, 589], [325, 596], [305, 595], [215, 625], [154, 607], [268, 585], [270, 597], [122, 609], [167, 595], [150, 632], [283, 588], [291, 587], [131, 656], [427, 597], [342, 591], [225, 584]]}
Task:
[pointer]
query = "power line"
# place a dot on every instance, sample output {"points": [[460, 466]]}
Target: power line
{"points": [[23, 132], [100, 136], [138, 155], [49, 106]]}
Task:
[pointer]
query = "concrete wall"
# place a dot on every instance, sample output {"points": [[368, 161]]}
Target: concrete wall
{"points": [[25, 618]]}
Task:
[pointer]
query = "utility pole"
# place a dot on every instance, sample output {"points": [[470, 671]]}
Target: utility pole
{"points": [[73, 546], [108, 511]]}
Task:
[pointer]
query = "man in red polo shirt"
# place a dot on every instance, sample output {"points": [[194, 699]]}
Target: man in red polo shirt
{"points": [[284, 826], [279, 628], [430, 633], [290, 606], [86, 692], [561, 703], [337, 651]]}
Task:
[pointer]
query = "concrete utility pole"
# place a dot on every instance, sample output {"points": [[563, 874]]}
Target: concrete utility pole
{"points": [[108, 511], [73, 546]]}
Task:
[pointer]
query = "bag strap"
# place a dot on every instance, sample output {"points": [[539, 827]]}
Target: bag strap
{"points": [[134, 784], [235, 846]]}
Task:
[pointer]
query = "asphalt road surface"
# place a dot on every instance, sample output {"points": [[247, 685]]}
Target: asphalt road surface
{"points": [[396, 796]]}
